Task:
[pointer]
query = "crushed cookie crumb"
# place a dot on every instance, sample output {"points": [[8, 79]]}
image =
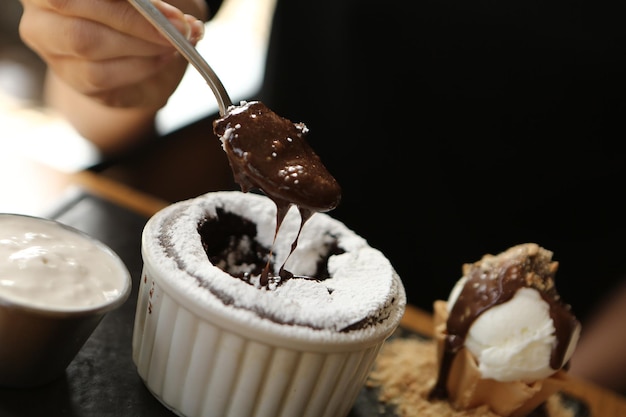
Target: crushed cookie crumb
{"points": [[405, 372]]}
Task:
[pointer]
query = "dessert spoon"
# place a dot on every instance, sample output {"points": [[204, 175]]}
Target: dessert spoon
{"points": [[186, 49], [293, 175]]}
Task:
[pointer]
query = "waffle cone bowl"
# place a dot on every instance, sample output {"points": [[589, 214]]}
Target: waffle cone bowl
{"points": [[467, 389]]}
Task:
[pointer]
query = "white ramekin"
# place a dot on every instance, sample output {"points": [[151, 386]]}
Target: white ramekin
{"points": [[203, 358]]}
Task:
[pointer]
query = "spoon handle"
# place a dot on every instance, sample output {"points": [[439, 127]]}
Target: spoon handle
{"points": [[186, 49]]}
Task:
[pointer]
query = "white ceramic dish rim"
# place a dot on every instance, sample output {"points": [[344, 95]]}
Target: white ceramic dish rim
{"points": [[246, 322]]}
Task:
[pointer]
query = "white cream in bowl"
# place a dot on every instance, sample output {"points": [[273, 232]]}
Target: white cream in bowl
{"points": [[46, 265]]}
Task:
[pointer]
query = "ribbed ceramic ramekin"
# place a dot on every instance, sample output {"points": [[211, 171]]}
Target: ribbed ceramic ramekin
{"points": [[202, 355]]}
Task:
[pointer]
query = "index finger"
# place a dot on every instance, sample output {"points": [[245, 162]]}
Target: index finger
{"points": [[117, 14]]}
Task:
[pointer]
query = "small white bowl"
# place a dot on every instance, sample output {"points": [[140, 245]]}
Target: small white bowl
{"points": [[56, 285], [208, 344]]}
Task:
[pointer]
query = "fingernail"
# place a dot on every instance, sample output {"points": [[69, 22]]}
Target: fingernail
{"points": [[178, 19], [197, 29]]}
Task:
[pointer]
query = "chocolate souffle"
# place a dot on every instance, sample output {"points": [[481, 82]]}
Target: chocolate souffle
{"points": [[220, 244]]}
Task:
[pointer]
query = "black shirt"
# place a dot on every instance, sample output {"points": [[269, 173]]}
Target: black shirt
{"points": [[214, 5], [458, 129]]}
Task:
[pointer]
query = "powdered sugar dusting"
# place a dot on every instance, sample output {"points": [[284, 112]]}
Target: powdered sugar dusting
{"points": [[363, 286]]}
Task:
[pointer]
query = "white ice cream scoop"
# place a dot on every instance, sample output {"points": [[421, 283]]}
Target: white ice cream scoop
{"points": [[513, 341]]}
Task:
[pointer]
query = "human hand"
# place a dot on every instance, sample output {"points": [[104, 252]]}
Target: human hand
{"points": [[107, 51]]}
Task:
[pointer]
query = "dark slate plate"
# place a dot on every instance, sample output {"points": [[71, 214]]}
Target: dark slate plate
{"points": [[102, 380]]}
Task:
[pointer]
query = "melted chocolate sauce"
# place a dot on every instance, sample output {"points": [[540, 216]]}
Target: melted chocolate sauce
{"points": [[230, 242], [270, 153], [495, 280]]}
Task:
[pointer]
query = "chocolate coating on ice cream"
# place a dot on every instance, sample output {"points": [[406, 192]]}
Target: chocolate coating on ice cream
{"points": [[269, 152], [494, 280]]}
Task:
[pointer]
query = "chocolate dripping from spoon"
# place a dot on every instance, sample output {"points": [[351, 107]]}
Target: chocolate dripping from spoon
{"points": [[270, 153]]}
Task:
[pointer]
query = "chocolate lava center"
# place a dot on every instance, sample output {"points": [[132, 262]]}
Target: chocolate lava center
{"points": [[230, 243]]}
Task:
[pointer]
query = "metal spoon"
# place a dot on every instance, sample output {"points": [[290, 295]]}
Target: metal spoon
{"points": [[186, 49]]}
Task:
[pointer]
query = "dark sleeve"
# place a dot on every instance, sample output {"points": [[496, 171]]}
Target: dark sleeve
{"points": [[214, 5]]}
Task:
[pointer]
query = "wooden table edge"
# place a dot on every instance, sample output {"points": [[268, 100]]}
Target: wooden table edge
{"points": [[119, 193]]}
